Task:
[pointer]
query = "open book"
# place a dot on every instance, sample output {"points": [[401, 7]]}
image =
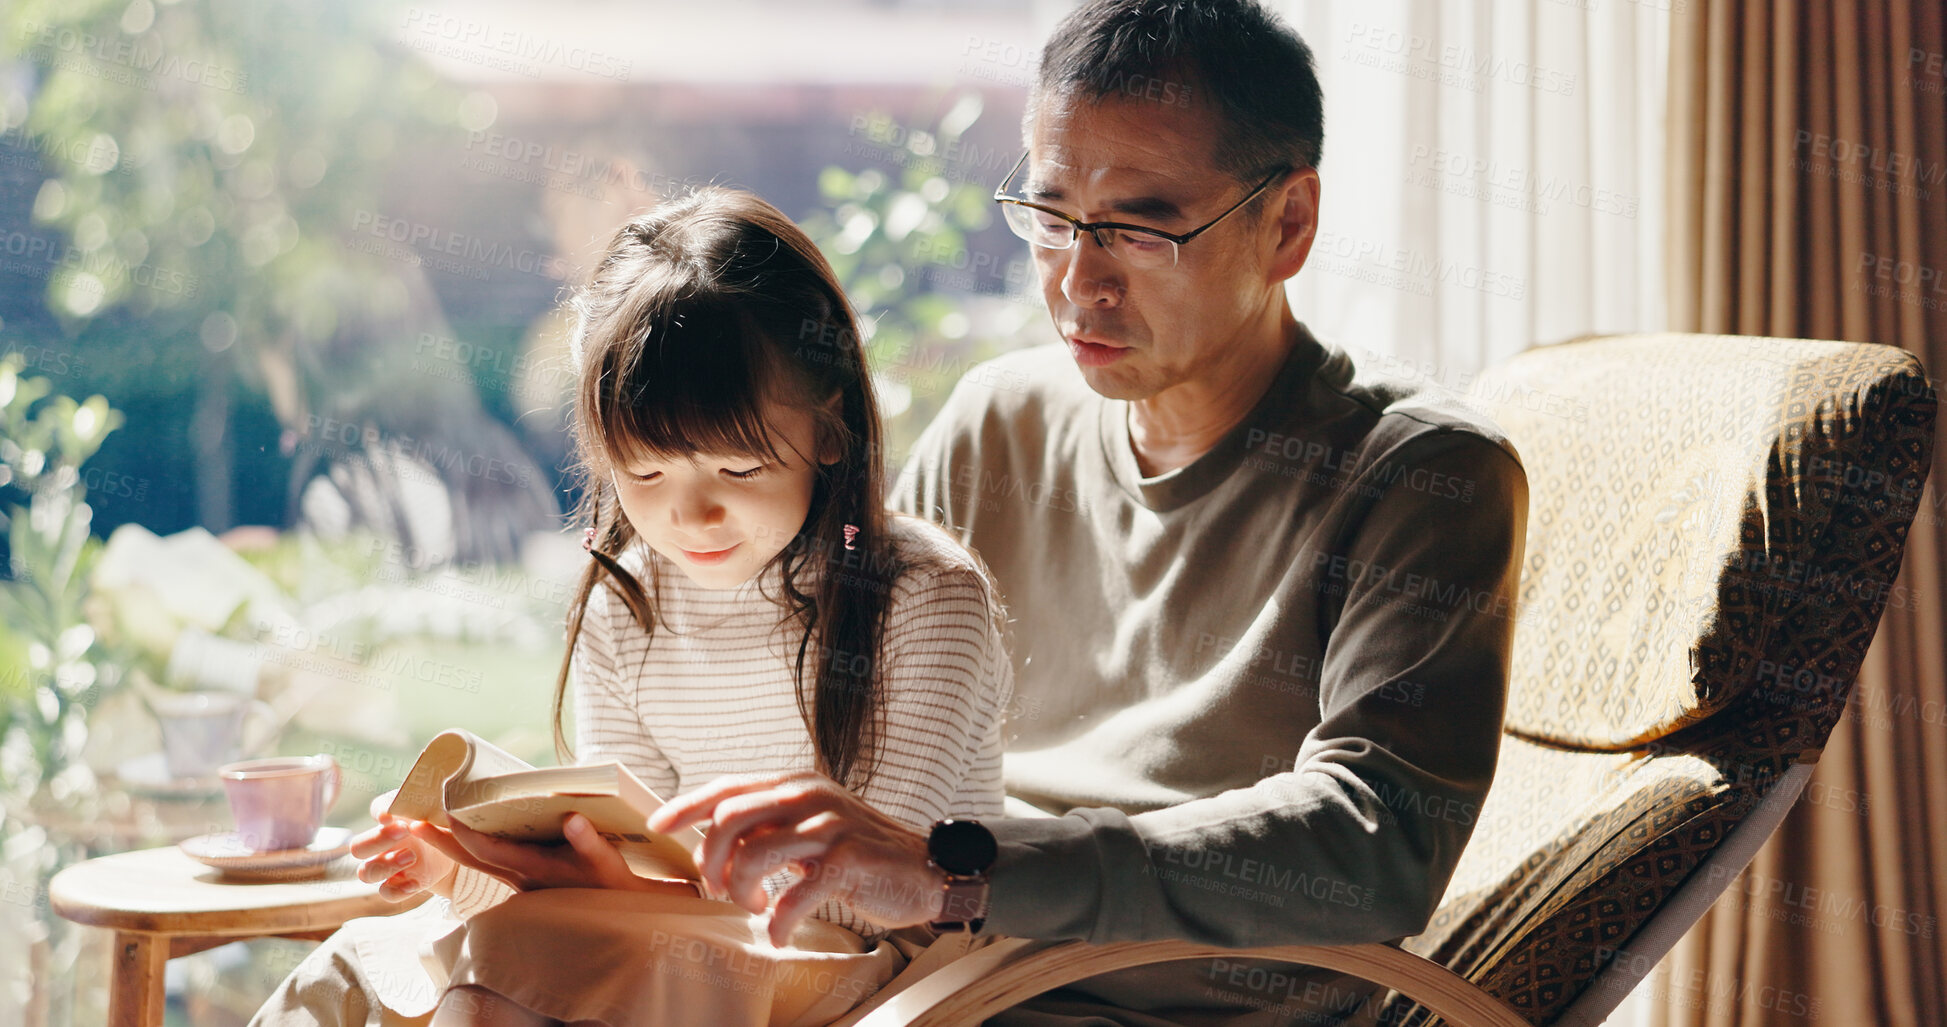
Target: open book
{"points": [[464, 777]]}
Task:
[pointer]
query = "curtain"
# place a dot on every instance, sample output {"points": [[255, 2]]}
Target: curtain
{"points": [[1808, 197], [1492, 178]]}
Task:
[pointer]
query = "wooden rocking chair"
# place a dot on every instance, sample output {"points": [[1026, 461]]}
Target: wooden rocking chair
{"points": [[1714, 529]]}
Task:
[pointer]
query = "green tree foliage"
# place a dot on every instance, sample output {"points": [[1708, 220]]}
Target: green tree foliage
{"points": [[206, 162], [894, 235], [48, 671], [213, 170]]}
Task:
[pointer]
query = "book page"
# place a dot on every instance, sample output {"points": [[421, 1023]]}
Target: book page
{"points": [[595, 779], [538, 819], [531, 806], [452, 760], [460, 776]]}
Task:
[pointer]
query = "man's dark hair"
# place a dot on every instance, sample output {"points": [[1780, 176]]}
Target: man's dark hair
{"points": [[1248, 66]]}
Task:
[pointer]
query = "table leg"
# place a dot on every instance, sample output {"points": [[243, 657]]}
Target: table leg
{"points": [[135, 992]]}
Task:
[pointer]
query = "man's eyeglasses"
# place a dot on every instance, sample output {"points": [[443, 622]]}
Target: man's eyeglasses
{"points": [[1135, 245]]}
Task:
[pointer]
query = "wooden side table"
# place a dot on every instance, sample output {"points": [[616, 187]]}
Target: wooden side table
{"points": [[161, 904]]}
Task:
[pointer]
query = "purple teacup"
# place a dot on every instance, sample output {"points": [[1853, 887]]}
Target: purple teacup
{"points": [[280, 802]]}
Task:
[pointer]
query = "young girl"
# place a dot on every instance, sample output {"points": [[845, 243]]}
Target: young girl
{"points": [[749, 606]]}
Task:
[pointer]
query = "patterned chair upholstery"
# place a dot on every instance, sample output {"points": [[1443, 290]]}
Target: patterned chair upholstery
{"points": [[1715, 525]]}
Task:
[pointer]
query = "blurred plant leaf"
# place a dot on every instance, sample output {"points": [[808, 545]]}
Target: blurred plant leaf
{"points": [[48, 653], [892, 237]]}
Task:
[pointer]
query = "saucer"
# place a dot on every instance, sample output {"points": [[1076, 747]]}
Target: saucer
{"points": [[228, 853]]}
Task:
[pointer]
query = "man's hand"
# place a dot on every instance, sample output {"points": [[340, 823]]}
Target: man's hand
{"points": [[587, 861], [843, 849]]}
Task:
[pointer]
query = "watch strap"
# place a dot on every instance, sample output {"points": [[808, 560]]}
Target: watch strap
{"points": [[964, 907]]}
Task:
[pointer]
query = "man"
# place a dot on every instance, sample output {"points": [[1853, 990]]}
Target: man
{"points": [[1262, 612]]}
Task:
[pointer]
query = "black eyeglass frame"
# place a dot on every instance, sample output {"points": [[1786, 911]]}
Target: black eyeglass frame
{"points": [[1000, 196]]}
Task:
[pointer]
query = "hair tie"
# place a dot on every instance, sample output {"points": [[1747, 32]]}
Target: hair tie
{"points": [[588, 539], [851, 532]]}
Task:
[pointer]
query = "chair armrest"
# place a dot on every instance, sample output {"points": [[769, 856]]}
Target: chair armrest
{"points": [[1012, 970]]}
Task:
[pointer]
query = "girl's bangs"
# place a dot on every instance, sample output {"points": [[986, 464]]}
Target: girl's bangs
{"points": [[695, 382]]}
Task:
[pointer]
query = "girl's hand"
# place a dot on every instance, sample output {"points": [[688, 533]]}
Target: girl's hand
{"points": [[403, 863], [587, 861]]}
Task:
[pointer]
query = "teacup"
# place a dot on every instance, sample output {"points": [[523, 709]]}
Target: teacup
{"points": [[203, 730], [280, 802]]}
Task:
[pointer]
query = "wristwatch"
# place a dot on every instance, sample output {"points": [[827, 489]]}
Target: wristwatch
{"points": [[964, 851]]}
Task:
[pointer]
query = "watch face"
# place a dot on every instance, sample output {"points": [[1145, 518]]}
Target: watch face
{"points": [[962, 847]]}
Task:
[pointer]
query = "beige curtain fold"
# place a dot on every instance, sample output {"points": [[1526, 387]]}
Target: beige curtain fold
{"points": [[1807, 189]]}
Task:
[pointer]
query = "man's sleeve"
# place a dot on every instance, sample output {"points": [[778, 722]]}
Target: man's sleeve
{"points": [[1357, 841]]}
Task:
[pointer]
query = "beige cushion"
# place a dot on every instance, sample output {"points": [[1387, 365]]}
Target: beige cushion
{"points": [[1677, 483], [1715, 526]]}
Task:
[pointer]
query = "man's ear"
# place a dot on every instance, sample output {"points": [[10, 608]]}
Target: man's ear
{"points": [[1296, 224]]}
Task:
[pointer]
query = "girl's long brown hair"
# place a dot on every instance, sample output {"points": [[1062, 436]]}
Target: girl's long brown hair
{"points": [[699, 312]]}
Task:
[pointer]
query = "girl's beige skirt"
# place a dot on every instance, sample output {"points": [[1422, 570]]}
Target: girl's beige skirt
{"points": [[620, 958]]}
